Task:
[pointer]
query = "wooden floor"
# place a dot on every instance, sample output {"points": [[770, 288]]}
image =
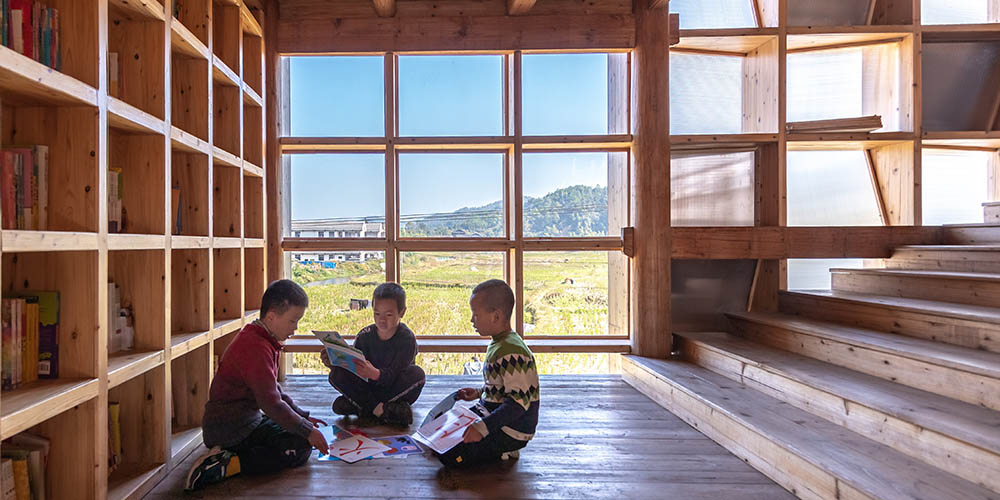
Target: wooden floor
{"points": [[597, 438]]}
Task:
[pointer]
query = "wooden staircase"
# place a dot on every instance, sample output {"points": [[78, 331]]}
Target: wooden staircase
{"points": [[887, 386]]}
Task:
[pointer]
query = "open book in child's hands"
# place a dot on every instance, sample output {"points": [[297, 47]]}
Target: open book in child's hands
{"points": [[340, 352]]}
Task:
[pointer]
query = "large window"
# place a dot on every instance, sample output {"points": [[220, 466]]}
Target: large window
{"points": [[424, 175]]}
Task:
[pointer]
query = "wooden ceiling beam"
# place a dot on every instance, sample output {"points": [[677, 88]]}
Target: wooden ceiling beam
{"points": [[449, 33], [385, 8], [519, 7]]}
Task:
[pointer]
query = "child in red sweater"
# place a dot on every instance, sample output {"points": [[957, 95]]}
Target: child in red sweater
{"points": [[242, 438]]}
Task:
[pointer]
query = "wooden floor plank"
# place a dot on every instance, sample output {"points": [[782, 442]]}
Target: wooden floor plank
{"points": [[597, 438]]}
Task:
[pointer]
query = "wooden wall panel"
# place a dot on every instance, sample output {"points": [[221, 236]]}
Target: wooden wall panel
{"points": [[894, 166], [760, 89]]}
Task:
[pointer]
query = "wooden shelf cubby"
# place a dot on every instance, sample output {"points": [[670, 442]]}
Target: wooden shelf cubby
{"points": [[142, 406], [189, 79], [253, 57], [253, 135], [743, 68], [253, 207], [174, 120], [71, 134], [141, 276], [226, 221], [255, 278], [226, 35], [140, 159], [190, 295], [190, 376], [226, 118], [190, 183], [228, 289], [194, 16], [136, 35]]}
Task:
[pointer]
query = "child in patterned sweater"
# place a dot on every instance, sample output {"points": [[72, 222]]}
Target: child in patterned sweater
{"points": [[509, 400]]}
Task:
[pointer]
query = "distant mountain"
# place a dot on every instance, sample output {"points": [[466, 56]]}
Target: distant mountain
{"points": [[572, 211]]}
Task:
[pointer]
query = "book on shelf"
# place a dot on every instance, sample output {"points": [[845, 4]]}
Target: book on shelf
{"points": [[7, 489], [114, 78], [36, 448], [175, 203], [30, 347], [114, 436], [24, 187], [121, 334], [117, 222], [32, 29]]}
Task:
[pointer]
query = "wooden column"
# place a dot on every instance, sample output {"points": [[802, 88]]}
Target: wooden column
{"points": [[273, 165], [651, 333]]}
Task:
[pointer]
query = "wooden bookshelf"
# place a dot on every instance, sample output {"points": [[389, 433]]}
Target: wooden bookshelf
{"points": [[187, 290]]}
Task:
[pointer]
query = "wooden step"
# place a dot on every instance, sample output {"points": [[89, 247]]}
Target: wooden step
{"points": [[971, 234], [957, 437], [809, 456], [981, 289], [960, 258], [952, 371], [991, 212], [976, 327]]}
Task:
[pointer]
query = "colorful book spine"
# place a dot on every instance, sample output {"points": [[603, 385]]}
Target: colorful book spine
{"points": [[7, 340], [48, 334]]}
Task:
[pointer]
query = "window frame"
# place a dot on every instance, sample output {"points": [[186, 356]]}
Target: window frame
{"points": [[513, 144]]}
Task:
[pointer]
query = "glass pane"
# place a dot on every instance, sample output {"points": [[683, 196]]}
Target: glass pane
{"points": [[714, 13], [706, 94], [824, 85], [954, 12], [337, 96], [566, 293], [814, 274], [827, 13], [337, 283], [568, 93], [450, 95], [438, 286], [338, 195], [566, 194], [451, 195], [954, 186], [712, 190], [830, 188]]}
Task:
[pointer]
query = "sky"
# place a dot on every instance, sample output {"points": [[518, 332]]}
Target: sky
{"points": [[563, 94]]}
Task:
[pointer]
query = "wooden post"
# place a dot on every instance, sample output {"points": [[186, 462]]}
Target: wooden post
{"points": [[272, 165], [651, 332]]}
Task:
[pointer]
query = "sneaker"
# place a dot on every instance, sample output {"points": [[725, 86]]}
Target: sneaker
{"points": [[397, 413], [511, 455], [209, 468], [344, 406]]}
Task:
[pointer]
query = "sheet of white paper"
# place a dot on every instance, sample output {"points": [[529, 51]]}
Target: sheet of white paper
{"points": [[356, 448], [445, 432]]}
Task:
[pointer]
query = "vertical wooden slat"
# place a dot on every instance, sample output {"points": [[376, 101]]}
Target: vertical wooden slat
{"points": [[277, 108], [896, 172], [618, 193], [651, 331], [391, 83], [993, 182], [873, 175], [517, 192]]}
